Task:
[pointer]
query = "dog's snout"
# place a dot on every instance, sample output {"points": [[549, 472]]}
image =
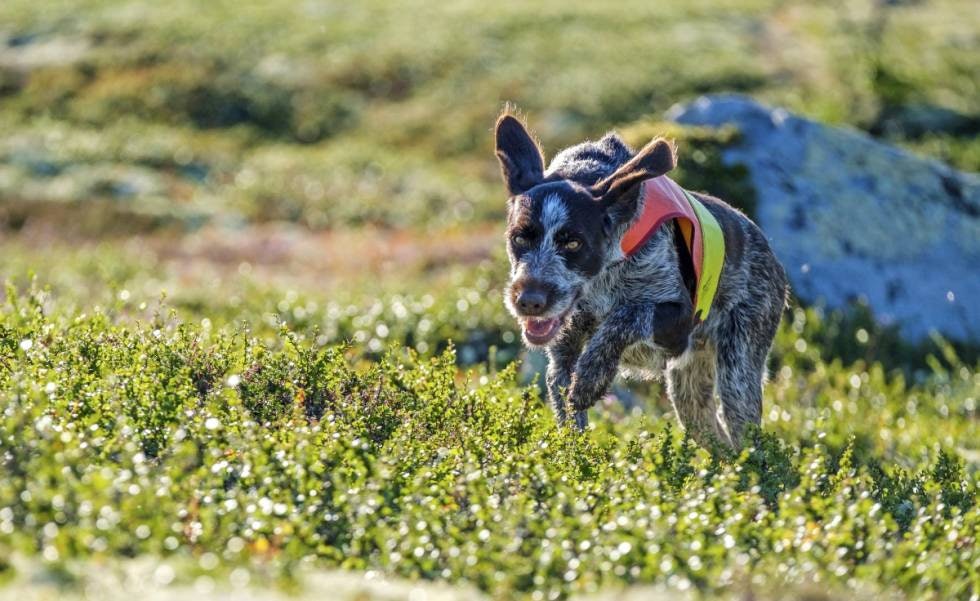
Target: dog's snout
{"points": [[532, 301]]}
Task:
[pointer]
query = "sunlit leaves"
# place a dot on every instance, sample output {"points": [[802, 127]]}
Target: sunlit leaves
{"points": [[161, 438]]}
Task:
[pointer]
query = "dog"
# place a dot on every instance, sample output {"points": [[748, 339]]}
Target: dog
{"points": [[595, 309]]}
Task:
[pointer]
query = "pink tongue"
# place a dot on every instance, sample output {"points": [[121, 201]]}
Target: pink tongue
{"points": [[539, 327]]}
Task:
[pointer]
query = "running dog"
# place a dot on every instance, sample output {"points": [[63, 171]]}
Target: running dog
{"points": [[615, 266]]}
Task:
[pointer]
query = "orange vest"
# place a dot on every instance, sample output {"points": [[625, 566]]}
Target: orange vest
{"points": [[663, 199]]}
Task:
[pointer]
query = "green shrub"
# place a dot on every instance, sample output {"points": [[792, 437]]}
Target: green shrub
{"points": [[119, 439]]}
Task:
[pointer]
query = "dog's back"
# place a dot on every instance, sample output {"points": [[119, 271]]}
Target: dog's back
{"points": [[748, 256], [590, 161]]}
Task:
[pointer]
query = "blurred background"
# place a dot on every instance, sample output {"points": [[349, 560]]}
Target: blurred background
{"points": [[329, 165]]}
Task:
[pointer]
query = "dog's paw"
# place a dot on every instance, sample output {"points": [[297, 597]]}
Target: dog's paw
{"points": [[583, 393]]}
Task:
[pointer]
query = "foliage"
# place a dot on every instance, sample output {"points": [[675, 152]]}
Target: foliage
{"points": [[332, 115], [161, 438]]}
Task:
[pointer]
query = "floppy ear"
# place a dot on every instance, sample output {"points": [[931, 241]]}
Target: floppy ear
{"points": [[520, 158], [617, 192]]}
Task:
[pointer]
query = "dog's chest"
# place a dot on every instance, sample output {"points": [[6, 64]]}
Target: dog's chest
{"points": [[610, 289], [643, 360], [648, 278]]}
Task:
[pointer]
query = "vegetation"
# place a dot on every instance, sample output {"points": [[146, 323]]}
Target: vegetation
{"points": [[125, 438], [253, 326], [334, 115]]}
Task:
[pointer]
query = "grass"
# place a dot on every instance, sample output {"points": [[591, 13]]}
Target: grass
{"points": [[124, 436]]}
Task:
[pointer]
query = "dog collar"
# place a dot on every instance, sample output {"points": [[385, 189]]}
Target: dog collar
{"points": [[664, 200]]}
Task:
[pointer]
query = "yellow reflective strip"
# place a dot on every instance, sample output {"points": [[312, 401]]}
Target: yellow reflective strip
{"points": [[713, 256]]}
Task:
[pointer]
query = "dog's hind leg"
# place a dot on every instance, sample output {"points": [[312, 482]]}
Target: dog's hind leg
{"points": [[741, 369], [740, 380], [691, 387]]}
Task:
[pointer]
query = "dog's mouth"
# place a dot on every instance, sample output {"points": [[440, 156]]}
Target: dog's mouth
{"points": [[541, 331]]}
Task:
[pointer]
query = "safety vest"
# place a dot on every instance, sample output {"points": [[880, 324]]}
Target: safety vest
{"points": [[664, 200]]}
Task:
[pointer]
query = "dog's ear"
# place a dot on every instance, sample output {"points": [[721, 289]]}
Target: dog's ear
{"points": [[618, 192], [520, 157]]}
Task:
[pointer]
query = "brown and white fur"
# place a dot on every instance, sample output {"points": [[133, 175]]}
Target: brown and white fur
{"points": [[594, 310]]}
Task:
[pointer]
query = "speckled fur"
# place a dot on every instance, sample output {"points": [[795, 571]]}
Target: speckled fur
{"points": [[635, 313]]}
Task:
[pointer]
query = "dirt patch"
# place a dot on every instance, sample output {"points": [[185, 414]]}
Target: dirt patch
{"points": [[284, 252]]}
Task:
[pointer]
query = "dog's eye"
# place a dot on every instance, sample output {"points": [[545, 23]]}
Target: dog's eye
{"points": [[572, 244], [520, 240]]}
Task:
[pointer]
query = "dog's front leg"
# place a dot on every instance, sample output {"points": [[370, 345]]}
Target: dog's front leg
{"points": [[562, 356], [597, 366]]}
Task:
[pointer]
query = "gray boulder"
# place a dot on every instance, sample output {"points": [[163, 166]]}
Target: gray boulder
{"points": [[854, 219]]}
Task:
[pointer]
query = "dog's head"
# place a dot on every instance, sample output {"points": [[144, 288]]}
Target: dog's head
{"points": [[562, 233]]}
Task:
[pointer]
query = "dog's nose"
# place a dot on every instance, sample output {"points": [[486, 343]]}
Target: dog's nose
{"points": [[532, 301]]}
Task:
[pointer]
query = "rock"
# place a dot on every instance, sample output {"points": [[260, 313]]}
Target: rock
{"points": [[854, 219], [29, 52]]}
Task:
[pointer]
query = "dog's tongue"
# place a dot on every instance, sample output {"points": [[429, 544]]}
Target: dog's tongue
{"points": [[539, 327]]}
